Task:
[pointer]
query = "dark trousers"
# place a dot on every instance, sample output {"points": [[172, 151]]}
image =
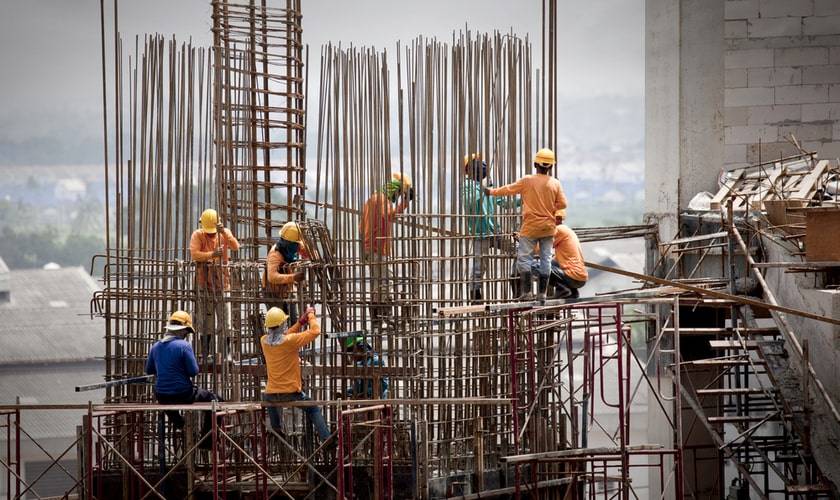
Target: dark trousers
{"points": [[194, 395]]}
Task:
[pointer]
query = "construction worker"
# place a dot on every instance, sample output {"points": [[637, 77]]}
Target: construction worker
{"points": [[568, 270], [378, 216], [210, 252], [481, 220], [280, 348], [542, 195], [172, 361], [280, 276], [363, 356]]}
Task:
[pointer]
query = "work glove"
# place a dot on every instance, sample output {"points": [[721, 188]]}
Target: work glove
{"points": [[300, 276], [220, 228], [217, 252], [410, 194], [486, 190], [304, 318]]}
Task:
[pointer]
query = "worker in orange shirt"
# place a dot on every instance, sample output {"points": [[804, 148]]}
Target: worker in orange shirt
{"points": [[542, 195], [378, 216], [210, 247], [281, 274], [280, 348], [568, 272]]}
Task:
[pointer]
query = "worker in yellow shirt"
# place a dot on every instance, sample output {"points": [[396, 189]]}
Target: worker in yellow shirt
{"points": [[542, 195], [378, 215], [569, 271], [210, 247], [281, 276], [280, 348]]}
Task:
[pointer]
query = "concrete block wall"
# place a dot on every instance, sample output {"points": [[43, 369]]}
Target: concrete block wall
{"points": [[781, 76]]}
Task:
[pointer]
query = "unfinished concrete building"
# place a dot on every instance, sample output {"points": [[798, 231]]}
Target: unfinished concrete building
{"points": [[723, 353]]}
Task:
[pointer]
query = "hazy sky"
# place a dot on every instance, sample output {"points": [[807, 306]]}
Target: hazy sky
{"points": [[50, 49]]}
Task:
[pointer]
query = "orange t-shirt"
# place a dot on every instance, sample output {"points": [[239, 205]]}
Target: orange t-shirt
{"points": [[282, 361], [274, 280], [378, 216], [542, 195], [568, 254], [201, 251]]}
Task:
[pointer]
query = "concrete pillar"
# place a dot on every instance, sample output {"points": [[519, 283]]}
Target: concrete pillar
{"points": [[684, 49]]}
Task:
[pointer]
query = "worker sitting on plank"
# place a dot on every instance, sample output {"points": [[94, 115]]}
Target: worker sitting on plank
{"points": [[542, 195], [172, 361], [481, 220], [364, 356], [378, 216], [568, 272], [280, 274], [280, 348], [210, 245]]}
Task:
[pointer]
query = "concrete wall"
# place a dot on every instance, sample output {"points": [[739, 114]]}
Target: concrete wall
{"points": [[782, 76]]}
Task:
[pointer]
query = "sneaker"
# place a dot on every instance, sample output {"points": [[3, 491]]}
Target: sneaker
{"points": [[526, 297]]}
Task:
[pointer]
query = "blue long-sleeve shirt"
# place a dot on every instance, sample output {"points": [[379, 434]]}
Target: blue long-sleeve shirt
{"points": [[477, 203], [173, 363]]}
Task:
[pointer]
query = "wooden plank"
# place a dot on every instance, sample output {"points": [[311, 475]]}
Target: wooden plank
{"points": [[798, 264], [726, 189], [822, 236], [808, 185]]}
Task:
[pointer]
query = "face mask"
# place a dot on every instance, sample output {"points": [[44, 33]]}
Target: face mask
{"points": [[288, 249]]}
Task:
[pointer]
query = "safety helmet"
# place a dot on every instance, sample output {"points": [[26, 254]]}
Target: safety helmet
{"points": [[180, 320], [560, 213], [290, 232], [352, 341], [470, 158], [545, 156], [275, 317], [209, 219], [403, 179]]}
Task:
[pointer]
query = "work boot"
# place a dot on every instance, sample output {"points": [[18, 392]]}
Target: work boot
{"points": [[575, 294], [561, 292], [542, 286], [525, 287], [475, 296]]}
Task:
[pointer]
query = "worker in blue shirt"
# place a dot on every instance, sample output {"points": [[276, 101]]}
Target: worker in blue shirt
{"points": [[481, 220], [172, 361]]}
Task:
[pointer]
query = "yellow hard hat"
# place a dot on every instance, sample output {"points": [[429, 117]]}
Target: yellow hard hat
{"points": [[275, 317], [469, 158], [403, 179], [560, 213], [209, 219], [290, 232], [180, 320], [545, 156]]}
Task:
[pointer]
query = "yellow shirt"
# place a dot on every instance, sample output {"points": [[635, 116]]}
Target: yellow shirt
{"points": [[282, 360], [568, 254], [542, 195]]}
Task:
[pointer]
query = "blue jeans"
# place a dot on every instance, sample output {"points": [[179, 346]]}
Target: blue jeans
{"points": [[524, 251], [313, 413]]}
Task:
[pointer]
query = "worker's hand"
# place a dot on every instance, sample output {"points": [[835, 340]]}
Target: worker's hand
{"points": [[305, 317], [220, 228], [486, 191], [515, 236], [300, 276], [217, 252]]}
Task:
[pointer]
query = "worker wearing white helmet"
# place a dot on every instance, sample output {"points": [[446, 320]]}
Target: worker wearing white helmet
{"points": [[210, 247], [542, 195]]}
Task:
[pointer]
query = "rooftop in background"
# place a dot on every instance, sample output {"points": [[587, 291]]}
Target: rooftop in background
{"points": [[45, 316]]}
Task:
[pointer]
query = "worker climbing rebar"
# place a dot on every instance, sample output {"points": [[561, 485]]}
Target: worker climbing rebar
{"points": [[376, 228], [280, 347], [568, 273], [363, 355], [542, 195], [281, 273], [481, 220], [211, 253]]}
